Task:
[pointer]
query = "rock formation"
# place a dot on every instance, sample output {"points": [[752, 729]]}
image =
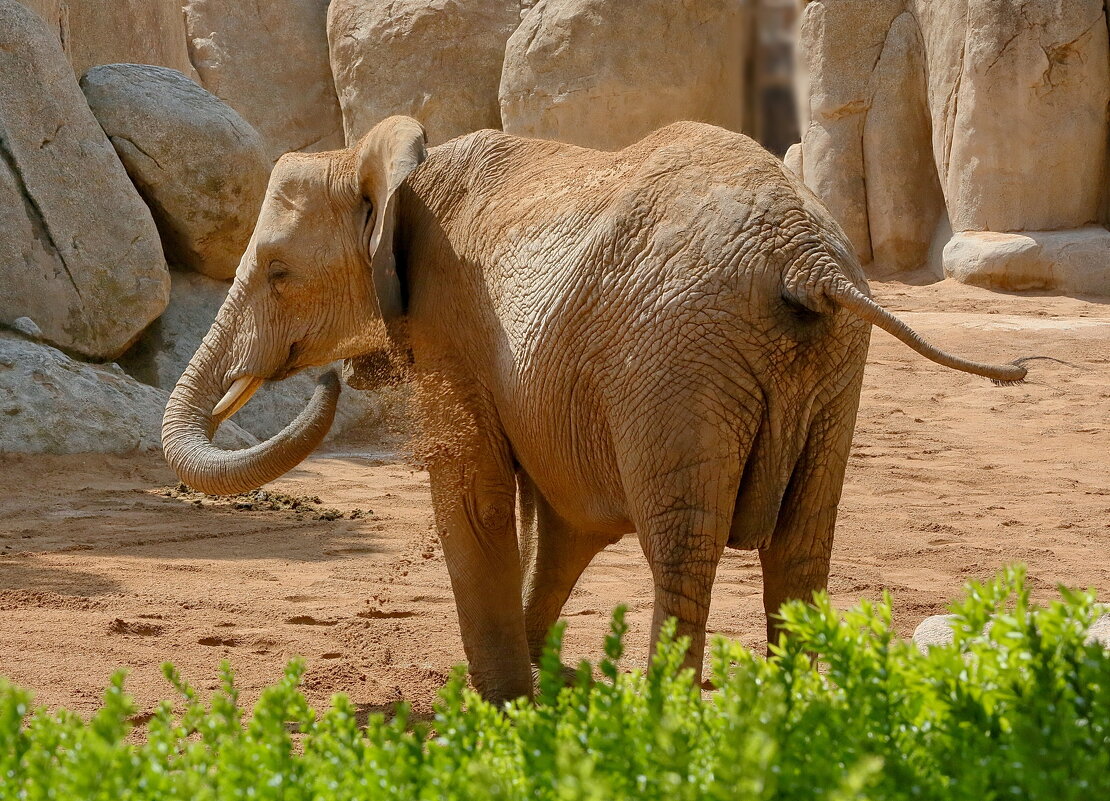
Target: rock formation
{"points": [[200, 167], [269, 62], [436, 60], [79, 249], [96, 32], [967, 135], [603, 74]]}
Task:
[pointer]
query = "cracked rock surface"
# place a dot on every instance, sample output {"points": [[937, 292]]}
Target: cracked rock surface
{"points": [[81, 254], [200, 166], [591, 74], [436, 60]]}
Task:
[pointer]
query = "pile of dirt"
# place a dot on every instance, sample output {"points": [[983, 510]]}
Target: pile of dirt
{"points": [[300, 507]]}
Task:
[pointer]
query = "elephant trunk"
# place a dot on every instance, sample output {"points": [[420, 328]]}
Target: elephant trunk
{"points": [[189, 425]]}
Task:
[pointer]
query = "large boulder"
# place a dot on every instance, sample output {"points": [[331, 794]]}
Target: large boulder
{"points": [[933, 118], [269, 62], [436, 60], [96, 32], [78, 248], [200, 167], [52, 404], [159, 359], [603, 74]]}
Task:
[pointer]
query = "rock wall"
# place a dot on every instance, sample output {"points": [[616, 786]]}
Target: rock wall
{"points": [[939, 131], [269, 62], [436, 60], [94, 32]]}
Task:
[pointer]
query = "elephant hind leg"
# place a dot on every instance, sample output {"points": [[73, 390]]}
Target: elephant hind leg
{"points": [[796, 561], [763, 484], [683, 516]]}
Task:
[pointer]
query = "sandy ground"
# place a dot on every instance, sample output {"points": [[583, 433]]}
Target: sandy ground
{"points": [[950, 478]]}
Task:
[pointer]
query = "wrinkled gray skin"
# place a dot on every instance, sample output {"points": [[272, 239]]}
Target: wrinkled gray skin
{"points": [[668, 340]]}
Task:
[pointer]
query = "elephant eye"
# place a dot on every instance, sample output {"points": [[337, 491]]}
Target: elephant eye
{"points": [[277, 272]]}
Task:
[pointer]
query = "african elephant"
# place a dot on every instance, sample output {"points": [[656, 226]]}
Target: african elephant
{"points": [[669, 340]]}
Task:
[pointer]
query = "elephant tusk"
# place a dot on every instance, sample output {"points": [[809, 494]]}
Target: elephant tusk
{"points": [[237, 396]]}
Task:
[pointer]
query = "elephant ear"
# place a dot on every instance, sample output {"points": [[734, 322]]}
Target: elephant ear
{"points": [[392, 150]]}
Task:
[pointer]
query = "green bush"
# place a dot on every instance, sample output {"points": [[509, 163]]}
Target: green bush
{"points": [[1021, 712]]}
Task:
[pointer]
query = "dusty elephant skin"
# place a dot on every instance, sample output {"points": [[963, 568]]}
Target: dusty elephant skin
{"points": [[669, 340]]}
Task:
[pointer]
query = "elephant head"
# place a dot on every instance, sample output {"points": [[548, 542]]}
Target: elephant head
{"points": [[318, 282]]}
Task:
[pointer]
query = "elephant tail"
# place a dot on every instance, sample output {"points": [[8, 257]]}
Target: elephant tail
{"points": [[848, 297]]}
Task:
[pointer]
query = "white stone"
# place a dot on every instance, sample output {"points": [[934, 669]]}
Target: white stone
{"points": [[933, 631], [79, 250], [200, 166], [793, 160], [937, 631], [50, 403], [1100, 632], [1072, 261]]}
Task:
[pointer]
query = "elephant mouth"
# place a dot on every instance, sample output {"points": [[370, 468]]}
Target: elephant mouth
{"points": [[236, 397], [244, 387]]}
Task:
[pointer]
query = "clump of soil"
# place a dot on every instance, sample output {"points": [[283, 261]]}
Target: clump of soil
{"points": [[300, 506]]}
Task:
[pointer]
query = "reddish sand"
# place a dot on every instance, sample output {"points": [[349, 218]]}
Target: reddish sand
{"points": [[950, 478]]}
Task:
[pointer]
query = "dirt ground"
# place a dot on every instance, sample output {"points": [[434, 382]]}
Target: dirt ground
{"points": [[950, 478]]}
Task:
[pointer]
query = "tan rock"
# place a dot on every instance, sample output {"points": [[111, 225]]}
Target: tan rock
{"points": [[840, 41], [604, 74], [904, 199], [78, 247], [436, 60], [793, 160], [97, 32], [1010, 106], [200, 167], [269, 62]]}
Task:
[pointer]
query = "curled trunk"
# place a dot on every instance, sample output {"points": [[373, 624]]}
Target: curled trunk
{"points": [[189, 424]]}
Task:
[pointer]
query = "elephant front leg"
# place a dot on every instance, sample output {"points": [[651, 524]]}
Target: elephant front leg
{"points": [[473, 492]]}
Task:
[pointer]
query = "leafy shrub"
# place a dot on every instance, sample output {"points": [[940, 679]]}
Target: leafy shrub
{"points": [[1022, 711]]}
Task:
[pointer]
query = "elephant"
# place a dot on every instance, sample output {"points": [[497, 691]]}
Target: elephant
{"points": [[667, 340]]}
